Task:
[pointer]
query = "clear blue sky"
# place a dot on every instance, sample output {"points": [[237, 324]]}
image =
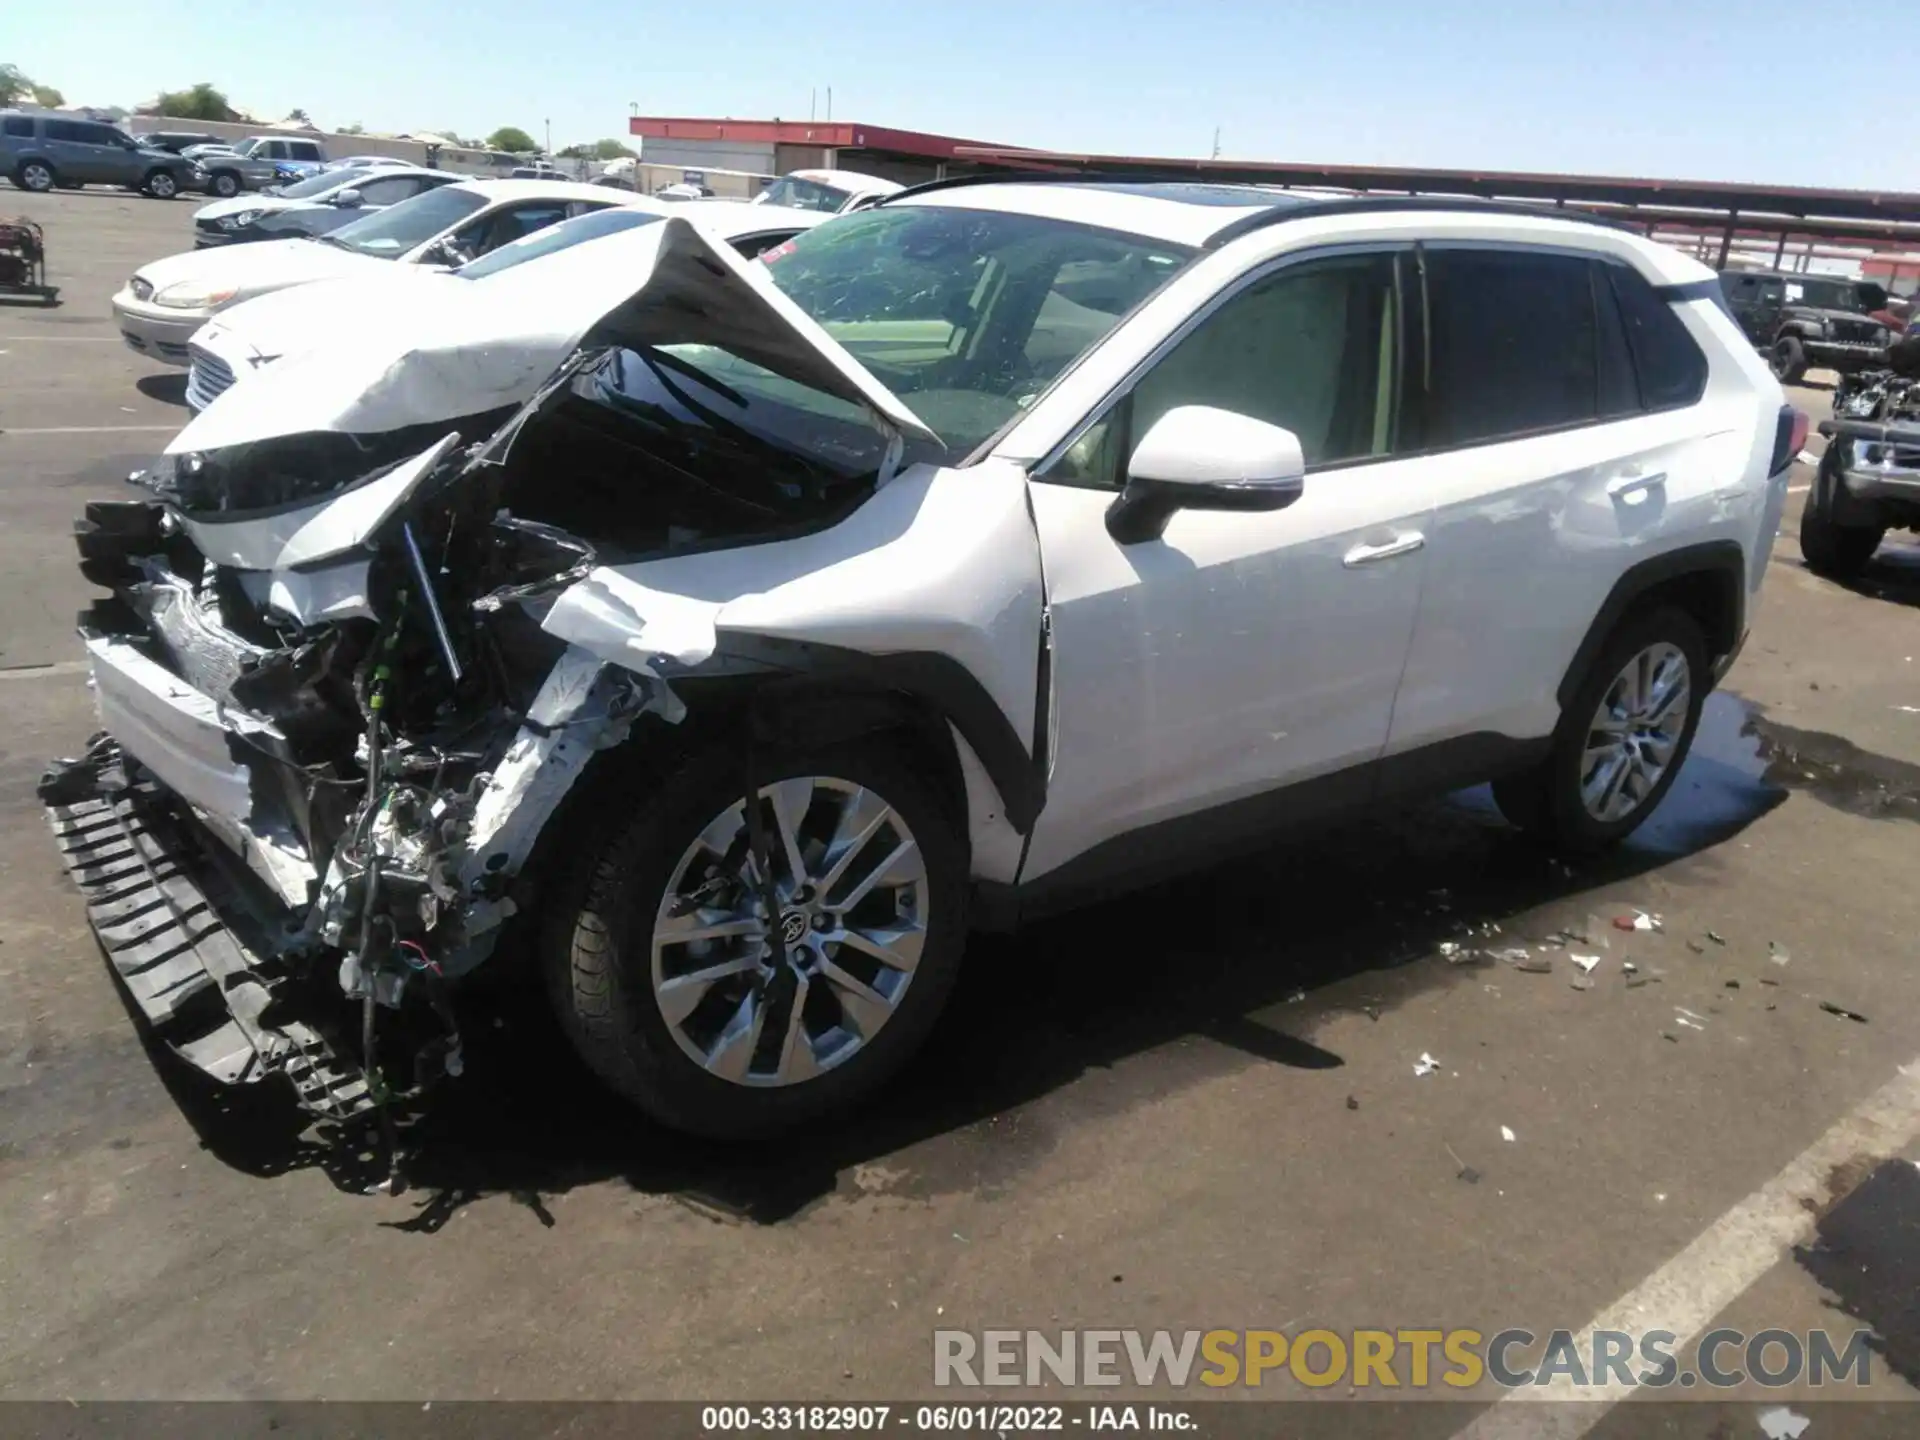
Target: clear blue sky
{"points": [[1701, 89]]}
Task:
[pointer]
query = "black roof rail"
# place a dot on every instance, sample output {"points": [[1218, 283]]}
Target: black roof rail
{"points": [[1286, 207], [1376, 204], [1077, 177]]}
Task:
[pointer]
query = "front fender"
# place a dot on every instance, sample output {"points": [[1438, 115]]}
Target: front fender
{"points": [[932, 588]]}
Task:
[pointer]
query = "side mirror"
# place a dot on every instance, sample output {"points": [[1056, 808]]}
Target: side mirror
{"points": [[1198, 458], [348, 199]]}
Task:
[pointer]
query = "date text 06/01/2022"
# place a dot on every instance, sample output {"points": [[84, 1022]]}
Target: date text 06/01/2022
{"points": [[947, 1419]]}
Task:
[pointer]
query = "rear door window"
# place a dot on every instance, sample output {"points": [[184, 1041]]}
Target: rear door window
{"points": [[67, 130], [1512, 345], [20, 127]]}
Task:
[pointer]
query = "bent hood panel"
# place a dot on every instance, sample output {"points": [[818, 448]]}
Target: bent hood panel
{"points": [[463, 357], [303, 535], [941, 561]]}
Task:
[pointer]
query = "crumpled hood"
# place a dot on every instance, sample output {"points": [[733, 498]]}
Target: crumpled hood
{"points": [[491, 343], [264, 265]]}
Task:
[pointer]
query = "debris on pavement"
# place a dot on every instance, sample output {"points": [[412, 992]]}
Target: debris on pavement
{"points": [[1634, 982], [1639, 920], [1581, 983], [1629, 967], [1696, 947], [1513, 955], [1585, 962], [1690, 1021], [1765, 981], [1535, 965], [1843, 1012], [1352, 1104], [1777, 953], [1669, 1035], [1733, 985], [1717, 938], [1780, 1423], [1452, 951], [1426, 1064], [1506, 1133], [1466, 1172]]}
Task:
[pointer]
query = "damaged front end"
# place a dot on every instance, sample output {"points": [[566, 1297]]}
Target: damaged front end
{"points": [[336, 718]]}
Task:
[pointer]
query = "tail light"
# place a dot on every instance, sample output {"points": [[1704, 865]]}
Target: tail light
{"points": [[1789, 438]]}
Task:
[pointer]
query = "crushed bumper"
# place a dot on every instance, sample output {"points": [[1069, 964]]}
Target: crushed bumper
{"points": [[181, 935]]}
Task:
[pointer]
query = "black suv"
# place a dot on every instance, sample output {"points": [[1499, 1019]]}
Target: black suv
{"points": [[1806, 320]]}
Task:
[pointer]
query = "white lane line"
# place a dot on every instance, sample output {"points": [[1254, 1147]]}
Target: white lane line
{"points": [[93, 430], [43, 672], [1719, 1266]]}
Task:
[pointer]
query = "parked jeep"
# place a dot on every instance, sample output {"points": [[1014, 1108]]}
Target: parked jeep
{"points": [[1803, 321]]}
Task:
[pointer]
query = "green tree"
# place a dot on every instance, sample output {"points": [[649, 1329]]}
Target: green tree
{"points": [[47, 96], [356, 128], [202, 102], [299, 116], [14, 86], [612, 150], [511, 139]]}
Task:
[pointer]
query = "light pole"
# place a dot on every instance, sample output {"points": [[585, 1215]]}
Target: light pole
{"points": [[549, 125]]}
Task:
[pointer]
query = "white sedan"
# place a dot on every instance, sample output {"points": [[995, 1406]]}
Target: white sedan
{"points": [[247, 338], [165, 302]]}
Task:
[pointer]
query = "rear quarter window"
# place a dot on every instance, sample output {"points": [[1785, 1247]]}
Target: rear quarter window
{"points": [[18, 127], [1671, 368]]}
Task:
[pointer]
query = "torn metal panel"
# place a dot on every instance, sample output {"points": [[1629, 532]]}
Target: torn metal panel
{"points": [[170, 727], [314, 597], [584, 707]]}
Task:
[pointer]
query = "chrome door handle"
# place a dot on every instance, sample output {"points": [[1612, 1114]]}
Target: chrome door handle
{"points": [[1628, 485], [1400, 545]]}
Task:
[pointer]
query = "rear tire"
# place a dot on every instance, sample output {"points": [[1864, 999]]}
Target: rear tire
{"points": [[1789, 360], [1622, 739], [1838, 552], [34, 176], [609, 940], [161, 185]]}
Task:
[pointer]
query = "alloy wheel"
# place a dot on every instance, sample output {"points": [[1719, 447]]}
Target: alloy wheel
{"points": [[36, 177], [1635, 733], [774, 1000]]}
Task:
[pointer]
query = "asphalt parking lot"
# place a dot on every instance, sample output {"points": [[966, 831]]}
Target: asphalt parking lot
{"points": [[1196, 1108]]}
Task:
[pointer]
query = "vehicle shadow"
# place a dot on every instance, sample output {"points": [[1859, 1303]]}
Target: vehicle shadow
{"points": [[1248, 958], [170, 389], [1894, 574]]}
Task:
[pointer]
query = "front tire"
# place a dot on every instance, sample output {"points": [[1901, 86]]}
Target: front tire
{"points": [[1789, 360], [660, 963], [1838, 552], [1622, 739], [161, 185], [34, 176], [224, 186]]}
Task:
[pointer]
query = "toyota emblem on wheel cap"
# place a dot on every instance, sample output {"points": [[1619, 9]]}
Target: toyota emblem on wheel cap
{"points": [[793, 927]]}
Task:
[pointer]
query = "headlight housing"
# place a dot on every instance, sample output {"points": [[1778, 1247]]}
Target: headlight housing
{"points": [[194, 295], [238, 219]]}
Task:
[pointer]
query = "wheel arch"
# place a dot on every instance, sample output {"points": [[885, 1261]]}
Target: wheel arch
{"points": [[1707, 580]]}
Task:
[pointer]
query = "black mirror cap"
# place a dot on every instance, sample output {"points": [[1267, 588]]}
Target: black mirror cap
{"points": [[1141, 511]]}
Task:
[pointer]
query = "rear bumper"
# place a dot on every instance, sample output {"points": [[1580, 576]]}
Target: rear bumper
{"points": [[194, 951]]}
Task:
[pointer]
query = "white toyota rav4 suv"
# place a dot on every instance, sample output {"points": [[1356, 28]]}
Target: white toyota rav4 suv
{"points": [[730, 641]]}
